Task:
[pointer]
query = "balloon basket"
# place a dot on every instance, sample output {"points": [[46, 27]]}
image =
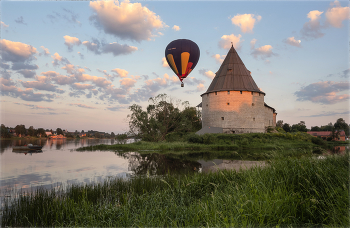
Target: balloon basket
{"points": [[182, 84]]}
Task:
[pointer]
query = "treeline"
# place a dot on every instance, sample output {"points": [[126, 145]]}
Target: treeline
{"points": [[21, 131], [339, 125]]}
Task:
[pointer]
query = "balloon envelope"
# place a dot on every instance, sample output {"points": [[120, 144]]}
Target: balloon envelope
{"points": [[182, 56]]}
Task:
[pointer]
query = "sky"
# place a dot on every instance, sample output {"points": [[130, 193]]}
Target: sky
{"points": [[80, 65]]}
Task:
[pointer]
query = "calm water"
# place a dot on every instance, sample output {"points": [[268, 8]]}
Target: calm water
{"points": [[59, 163]]}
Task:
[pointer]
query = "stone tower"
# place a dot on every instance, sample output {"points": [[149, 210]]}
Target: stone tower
{"points": [[233, 102]]}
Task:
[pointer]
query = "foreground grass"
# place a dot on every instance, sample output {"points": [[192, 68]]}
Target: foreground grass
{"points": [[289, 192]]}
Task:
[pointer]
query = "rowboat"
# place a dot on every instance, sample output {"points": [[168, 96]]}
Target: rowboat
{"points": [[28, 147]]}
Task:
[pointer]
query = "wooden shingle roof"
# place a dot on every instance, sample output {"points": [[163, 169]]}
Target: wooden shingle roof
{"points": [[233, 76]]}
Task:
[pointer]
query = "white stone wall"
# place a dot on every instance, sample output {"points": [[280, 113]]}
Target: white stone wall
{"points": [[241, 112]]}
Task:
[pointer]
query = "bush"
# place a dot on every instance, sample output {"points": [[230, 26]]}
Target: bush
{"points": [[173, 137], [318, 141], [194, 138]]}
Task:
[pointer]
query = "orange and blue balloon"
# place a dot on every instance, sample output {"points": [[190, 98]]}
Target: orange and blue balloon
{"points": [[182, 56]]}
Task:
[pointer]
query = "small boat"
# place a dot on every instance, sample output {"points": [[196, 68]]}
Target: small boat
{"points": [[28, 147]]}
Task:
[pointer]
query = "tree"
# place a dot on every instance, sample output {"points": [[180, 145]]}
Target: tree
{"points": [[342, 125], [31, 131], [279, 123], [112, 135], [97, 135], [59, 131], [286, 127], [20, 130], [299, 127], [121, 138], [315, 128], [41, 132], [162, 116], [5, 132]]}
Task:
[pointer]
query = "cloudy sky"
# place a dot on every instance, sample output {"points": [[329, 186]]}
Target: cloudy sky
{"points": [[80, 65]]}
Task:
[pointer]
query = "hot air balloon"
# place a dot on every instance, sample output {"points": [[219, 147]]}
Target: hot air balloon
{"points": [[182, 56]]}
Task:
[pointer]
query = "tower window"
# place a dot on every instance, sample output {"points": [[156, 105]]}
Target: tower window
{"points": [[252, 104], [259, 94], [207, 105], [240, 92], [207, 94], [228, 103], [222, 118], [216, 93], [252, 93], [228, 92], [253, 119]]}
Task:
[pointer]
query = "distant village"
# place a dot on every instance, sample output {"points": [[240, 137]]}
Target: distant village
{"points": [[22, 131]]}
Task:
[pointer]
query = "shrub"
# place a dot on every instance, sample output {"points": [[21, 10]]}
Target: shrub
{"points": [[318, 141]]}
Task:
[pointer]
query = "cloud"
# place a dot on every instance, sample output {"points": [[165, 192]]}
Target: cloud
{"points": [[164, 62], [79, 86], [126, 20], [57, 60], [46, 51], [118, 49], [324, 92], [312, 28], [38, 107], [263, 52], [337, 14], [82, 106], [114, 48], [176, 28], [228, 40], [120, 72], [127, 83], [245, 21], [7, 88], [4, 65], [208, 73], [16, 51], [81, 55], [219, 58], [345, 73], [20, 21], [70, 17], [21, 66], [92, 47], [115, 108], [27, 73], [42, 83], [3, 25], [330, 113], [200, 87], [252, 43], [291, 41], [70, 41]]}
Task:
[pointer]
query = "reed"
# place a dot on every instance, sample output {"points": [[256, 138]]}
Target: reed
{"points": [[288, 192]]}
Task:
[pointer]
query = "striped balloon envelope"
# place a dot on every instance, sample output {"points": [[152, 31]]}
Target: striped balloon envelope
{"points": [[182, 56]]}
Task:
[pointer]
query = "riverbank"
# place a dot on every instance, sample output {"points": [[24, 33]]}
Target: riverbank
{"points": [[288, 192]]}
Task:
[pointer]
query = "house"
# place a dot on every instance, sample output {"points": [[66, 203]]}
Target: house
{"points": [[325, 134]]}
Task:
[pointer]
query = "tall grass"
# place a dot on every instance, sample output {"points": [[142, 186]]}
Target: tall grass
{"points": [[287, 192]]}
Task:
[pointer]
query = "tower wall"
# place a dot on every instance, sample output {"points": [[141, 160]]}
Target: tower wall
{"points": [[236, 111]]}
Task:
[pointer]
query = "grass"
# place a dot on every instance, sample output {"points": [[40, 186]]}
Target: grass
{"points": [[303, 192], [255, 146]]}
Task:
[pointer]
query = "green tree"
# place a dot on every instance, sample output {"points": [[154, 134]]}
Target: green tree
{"points": [[121, 138], [299, 127], [112, 135], [315, 128], [286, 127], [342, 125], [20, 130], [31, 131], [162, 116], [59, 131], [279, 123], [41, 132], [97, 135], [5, 132]]}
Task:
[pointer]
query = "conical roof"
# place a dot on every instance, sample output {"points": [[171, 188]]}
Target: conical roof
{"points": [[233, 75]]}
